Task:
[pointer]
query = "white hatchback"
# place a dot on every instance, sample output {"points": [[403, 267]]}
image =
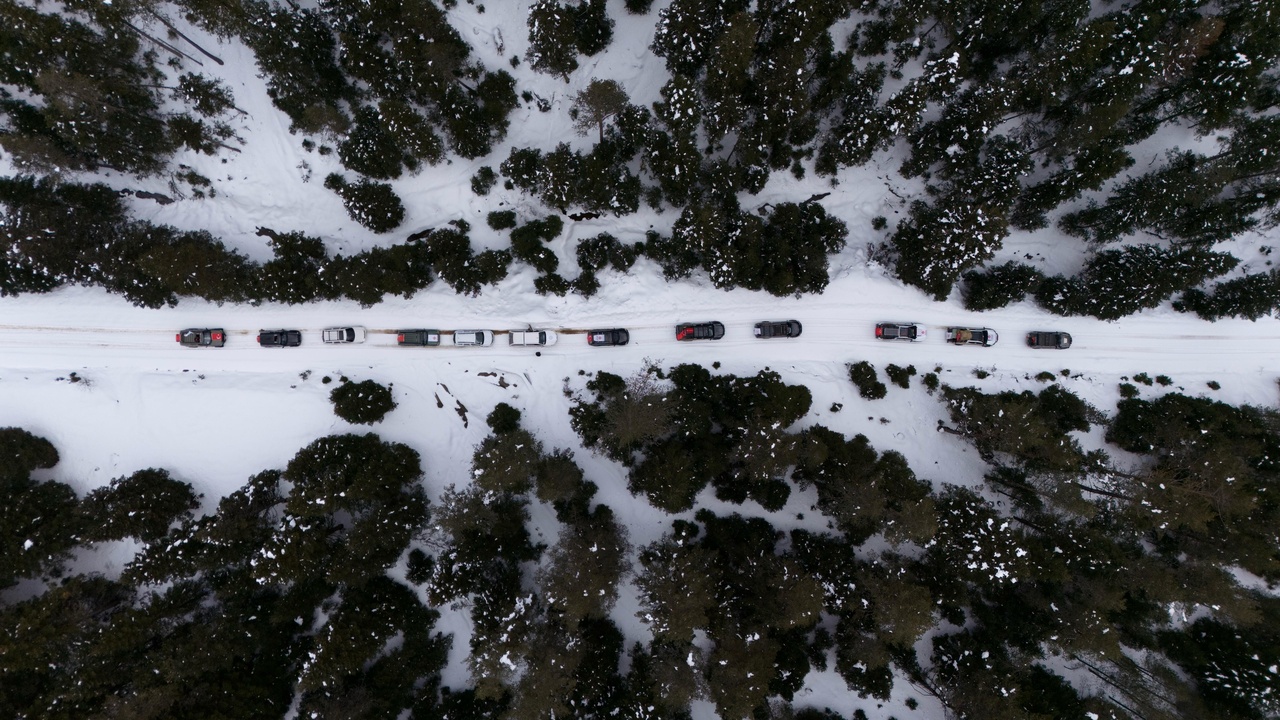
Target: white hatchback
{"points": [[483, 338]]}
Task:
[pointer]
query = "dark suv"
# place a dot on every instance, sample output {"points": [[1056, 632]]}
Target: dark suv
{"points": [[778, 329], [700, 331], [1042, 339], [279, 338], [607, 338]]}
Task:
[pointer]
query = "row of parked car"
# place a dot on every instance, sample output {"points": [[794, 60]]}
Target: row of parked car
{"points": [[217, 337], [713, 330], [986, 337]]}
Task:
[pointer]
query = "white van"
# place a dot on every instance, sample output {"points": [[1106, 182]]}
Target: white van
{"points": [[532, 337], [483, 338]]}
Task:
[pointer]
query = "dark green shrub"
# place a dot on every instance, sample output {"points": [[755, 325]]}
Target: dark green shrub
{"points": [[900, 376], [930, 381], [863, 374], [421, 567], [551, 284], [483, 181], [1128, 390], [503, 419], [502, 219], [363, 403], [586, 284], [23, 452]]}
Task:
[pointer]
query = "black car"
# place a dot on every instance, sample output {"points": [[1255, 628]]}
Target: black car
{"points": [[607, 338], [912, 332], [279, 338], [1041, 339], [778, 329], [420, 338], [700, 331], [202, 337]]}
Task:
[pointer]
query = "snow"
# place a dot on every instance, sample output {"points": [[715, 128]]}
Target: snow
{"points": [[214, 417]]}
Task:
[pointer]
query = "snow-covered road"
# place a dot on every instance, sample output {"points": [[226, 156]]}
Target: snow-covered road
{"points": [[89, 329]]}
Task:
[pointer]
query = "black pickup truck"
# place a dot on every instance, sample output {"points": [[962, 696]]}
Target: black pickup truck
{"points": [[419, 338], [1042, 339], [202, 337], [279, 338]]}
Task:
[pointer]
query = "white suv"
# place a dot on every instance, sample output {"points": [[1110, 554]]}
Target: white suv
{"points": [[532, 337], [483, 338]]}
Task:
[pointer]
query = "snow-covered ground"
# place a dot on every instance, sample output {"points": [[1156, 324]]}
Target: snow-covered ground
{"points": [[213, 417]]}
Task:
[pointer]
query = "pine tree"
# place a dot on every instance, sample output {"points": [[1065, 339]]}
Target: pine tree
{"points": [[584, 568], [296, 51], [372, 204], [687, 31], [1250, 296], [294, 275], [1115, 283], [728, 75], [38, 520], [594, 27], [142, 505], [369, 149], [998, 286], [602, 100], [553, 40]]}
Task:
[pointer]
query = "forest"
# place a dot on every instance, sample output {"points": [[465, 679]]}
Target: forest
{"points": [[1011, 116], [318, 586], [1128, 581]]}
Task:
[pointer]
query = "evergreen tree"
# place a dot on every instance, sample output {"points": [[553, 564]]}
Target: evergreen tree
{"points": [[602, 100], [142, 505], [1115, 283], [295, 274], [370, 149], [372, 204], [553, 38], [38, 520], [728, 76], [372, 485], [1250, 296], [584, 568], [593, 27], [998, 286], [687, 31], [1032, 429], [1200, 489], [296, 51]]}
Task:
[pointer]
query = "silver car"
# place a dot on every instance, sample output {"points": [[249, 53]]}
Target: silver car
{"points": [[343, 335], [483, 338]]}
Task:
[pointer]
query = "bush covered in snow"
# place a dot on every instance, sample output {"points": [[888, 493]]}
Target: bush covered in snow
{"points": [[364, 403]]}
